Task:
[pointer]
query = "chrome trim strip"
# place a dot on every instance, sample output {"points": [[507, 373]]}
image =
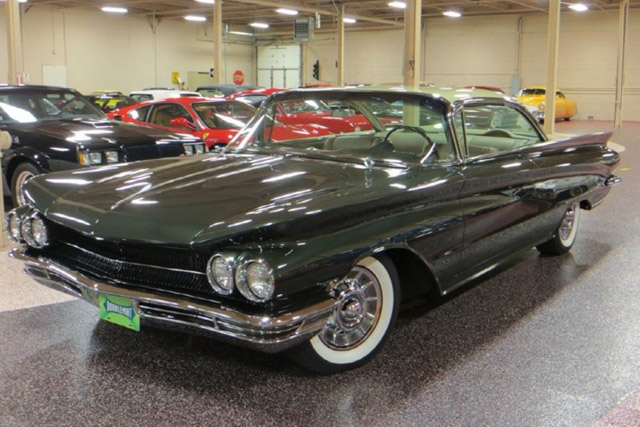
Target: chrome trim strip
{"points": [[157, 267], [263, 332], [612, 180]]}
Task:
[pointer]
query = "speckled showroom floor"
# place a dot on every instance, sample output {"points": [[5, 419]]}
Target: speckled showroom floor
{"points": [[548, 341]]}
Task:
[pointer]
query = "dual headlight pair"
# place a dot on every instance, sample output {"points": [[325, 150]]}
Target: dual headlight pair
{"points": [[90, 158], [192, 149], [252, 277], [31, 229]]}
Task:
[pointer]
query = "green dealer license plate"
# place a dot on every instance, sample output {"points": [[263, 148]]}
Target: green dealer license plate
{"points": [[119, 310]]}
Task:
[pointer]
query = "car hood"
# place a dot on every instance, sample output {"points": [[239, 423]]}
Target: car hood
{"points": [[533, 100], [95, 133], [220, 196]]}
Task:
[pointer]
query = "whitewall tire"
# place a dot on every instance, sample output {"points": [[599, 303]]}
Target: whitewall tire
{"points": [[565, 235], [368, 301]]}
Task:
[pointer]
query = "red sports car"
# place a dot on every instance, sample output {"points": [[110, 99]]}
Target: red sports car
{"points": [[215, 121], [336, 116], [254, 97]]}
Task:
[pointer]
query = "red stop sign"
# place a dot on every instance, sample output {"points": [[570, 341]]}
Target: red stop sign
{"points": [[238, 77]]}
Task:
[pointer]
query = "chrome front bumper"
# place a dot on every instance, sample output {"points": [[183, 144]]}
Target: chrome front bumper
{"points": [[267, 333]]}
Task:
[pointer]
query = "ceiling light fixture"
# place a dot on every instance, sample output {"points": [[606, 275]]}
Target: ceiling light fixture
{"points": [[579, 7], [240, 33], [195, 18], [348, 20], [114, 9], [259, 25], [286, 11], [397, 5], [207, 1], [452, 13]]}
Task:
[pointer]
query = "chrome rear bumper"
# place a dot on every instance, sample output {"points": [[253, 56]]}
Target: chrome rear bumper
{"points": [[262, 332]]}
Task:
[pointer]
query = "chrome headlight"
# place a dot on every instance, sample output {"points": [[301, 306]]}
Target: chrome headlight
{"points": [[111, 156], [13, 227], [255, 280], [91, 158], [189, 149], [34, 231], [198, 148], [220, 273]]}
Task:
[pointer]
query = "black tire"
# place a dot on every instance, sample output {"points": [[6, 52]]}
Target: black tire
{"points": [[565, 235], [361, 335], [21, 174], [566, 119]]}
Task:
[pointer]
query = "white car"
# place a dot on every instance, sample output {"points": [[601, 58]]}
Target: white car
{"points": [[155, 94]]}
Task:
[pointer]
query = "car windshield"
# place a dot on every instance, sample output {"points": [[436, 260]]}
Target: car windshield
{"points": [[383, 126], [35, 105], [526, 92], [224, 115]]}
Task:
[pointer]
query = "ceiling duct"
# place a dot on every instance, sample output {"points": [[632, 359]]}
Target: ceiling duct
{"points": [[303, 29]]}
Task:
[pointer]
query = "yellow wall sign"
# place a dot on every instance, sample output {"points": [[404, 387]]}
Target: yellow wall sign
{"points": [[175, 77]]}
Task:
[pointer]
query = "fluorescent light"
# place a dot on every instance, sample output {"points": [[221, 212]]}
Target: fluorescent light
{"points": [[348, 20], [207, 1], [397, 4], [579, 7], [259, 25], [285, 11], [196, 18], [452, 13], [240, 33], [114, 9]]}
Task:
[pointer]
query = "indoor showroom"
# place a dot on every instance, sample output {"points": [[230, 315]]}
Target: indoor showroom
{"points": [[319, 212]]}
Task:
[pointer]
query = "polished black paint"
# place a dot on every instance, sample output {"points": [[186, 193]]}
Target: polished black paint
{"points": [[53, 145], [312, 216]]}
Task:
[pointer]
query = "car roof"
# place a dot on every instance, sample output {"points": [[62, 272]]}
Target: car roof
{"points": [[260, 91], [183, 101], [538, 87], [41, 87], [449, 94]]}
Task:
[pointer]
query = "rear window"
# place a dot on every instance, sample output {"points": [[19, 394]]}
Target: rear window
{"points": [[525, 92]]}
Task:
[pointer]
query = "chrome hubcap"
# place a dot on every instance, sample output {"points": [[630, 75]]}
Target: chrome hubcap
{"points": [[357, 313], [568, 222], [20, 180]]}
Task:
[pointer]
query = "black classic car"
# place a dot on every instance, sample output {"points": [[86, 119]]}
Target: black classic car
{"points": [[55, 129], [310, 245]]}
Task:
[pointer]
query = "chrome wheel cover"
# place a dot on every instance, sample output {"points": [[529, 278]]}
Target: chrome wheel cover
{"points": [[568, 222], [357, 312], [23, 177]]}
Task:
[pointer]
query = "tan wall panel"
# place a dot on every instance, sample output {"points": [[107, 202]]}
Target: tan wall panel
{"points": [[103, 51]]}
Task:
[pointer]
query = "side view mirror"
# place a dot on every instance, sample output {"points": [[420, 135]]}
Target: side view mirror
{"points": [[181, 122]]}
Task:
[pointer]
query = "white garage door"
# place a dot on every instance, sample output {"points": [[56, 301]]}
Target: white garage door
{"points": [[279, 66]]}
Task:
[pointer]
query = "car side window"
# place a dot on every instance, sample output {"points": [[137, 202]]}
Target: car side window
{"points": [[139, 114], [162, 114], [494, 128]]}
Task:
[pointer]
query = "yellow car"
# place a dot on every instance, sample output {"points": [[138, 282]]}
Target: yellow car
{"points": [[534, 97]]}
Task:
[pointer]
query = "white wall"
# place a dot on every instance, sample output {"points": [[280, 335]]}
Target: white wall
{"points": [[103, 51], [106, 51], [484, 51]]}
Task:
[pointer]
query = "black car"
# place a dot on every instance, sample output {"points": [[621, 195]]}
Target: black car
{"points": [[54, 129], [310, 244]]}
